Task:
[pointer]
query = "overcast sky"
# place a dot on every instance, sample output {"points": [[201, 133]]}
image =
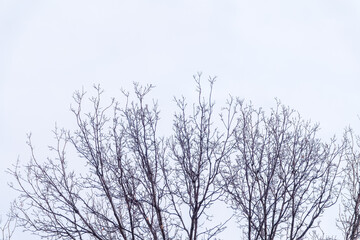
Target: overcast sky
{"points": [[306, 53]]}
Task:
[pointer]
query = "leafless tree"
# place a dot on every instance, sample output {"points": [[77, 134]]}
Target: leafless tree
{"points": [[197, 151], [128, 183], [349, 216], [115, 177], [283, 176], [120, 192]]}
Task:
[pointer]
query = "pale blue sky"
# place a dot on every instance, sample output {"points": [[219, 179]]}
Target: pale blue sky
{"points": [[306, 53]]}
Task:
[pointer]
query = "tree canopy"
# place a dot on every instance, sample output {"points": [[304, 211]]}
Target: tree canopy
{"points": [[271, 168]]}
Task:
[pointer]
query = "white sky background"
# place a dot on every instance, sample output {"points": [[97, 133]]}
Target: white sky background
{"points": [[306, 53]]}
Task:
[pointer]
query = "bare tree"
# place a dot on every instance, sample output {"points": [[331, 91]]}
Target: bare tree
{"points": [[131, 183], [122, 180], [119, 194], [349, 216], [283, 177], [197, 151]]}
